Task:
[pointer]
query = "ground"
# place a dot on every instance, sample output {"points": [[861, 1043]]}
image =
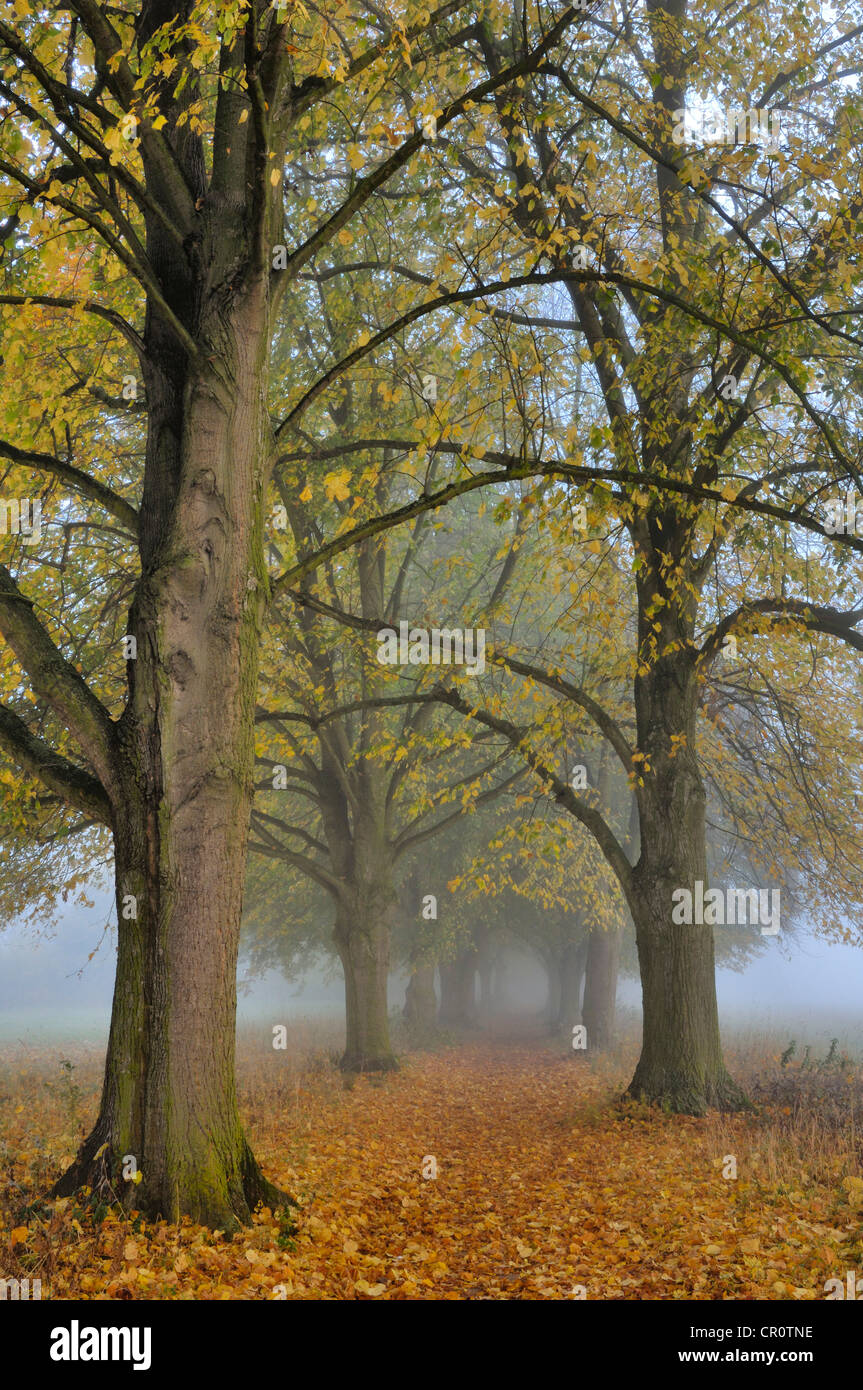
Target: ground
{"points": [[545, 1188]]}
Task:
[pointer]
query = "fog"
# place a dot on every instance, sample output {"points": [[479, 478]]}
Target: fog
{"points": [[60, 985]]}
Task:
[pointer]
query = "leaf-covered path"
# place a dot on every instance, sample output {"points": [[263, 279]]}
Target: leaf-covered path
{"points": [[544, 1188]]}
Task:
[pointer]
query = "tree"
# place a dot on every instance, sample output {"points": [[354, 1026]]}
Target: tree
{"points": [[376, 778], [167, 133], [677, 295]]}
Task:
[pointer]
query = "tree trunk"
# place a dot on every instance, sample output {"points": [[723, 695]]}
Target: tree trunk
{"points": [[501, 990], [681, 1064], [485, 968], [467, 964], [362, 937], [600, 988], [484, 965], [420, 1009], [458, 991], [572, 973], [184, 773], [448, 1012], [552, 965]]}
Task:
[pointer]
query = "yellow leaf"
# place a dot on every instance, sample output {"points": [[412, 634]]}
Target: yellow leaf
{"points": [[275, 177], [19, 1235], [336, 485], [306, 494]]}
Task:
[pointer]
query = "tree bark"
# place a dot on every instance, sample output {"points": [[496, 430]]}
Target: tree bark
{"points": [[484, 965], [572, 974], [458, 991], [420, 1009], [681, 1064], [486, 1003], [362, 938], [552, 962], [185, 760], [600, 988], [501, 990]]}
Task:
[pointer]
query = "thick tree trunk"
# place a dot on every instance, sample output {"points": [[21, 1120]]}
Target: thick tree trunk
{"points": [[420, 1009], [185, 751], [600, 988], [362, 937], [681, 1064]]}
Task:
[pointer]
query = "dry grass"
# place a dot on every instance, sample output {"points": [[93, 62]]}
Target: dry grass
{"points": [[807, 1126]]}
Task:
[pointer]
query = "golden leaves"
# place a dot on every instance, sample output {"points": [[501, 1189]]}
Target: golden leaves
{"points": [[336, 485]]}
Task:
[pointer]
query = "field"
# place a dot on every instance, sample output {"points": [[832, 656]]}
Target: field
{"points": [[546, 1187]]}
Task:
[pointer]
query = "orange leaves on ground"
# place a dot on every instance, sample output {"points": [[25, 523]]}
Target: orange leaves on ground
{"points": [[545, 1188]]}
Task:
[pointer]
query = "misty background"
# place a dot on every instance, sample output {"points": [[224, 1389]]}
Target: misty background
{"points": [[59, 985]]}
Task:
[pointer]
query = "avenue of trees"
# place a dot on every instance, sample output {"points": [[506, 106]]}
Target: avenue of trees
{"points": [[320, 320]]}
